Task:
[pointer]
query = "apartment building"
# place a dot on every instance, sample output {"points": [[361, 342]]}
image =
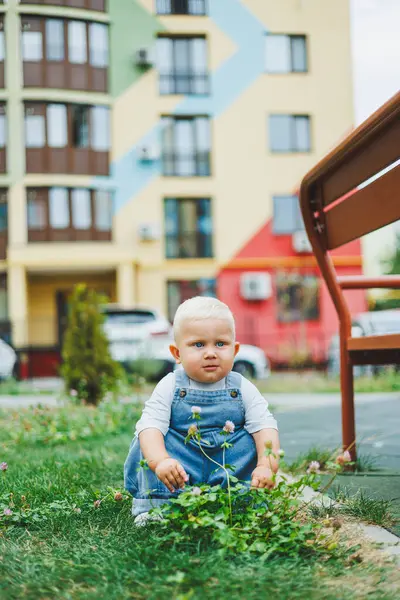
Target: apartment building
{"points": [[154, 148]]}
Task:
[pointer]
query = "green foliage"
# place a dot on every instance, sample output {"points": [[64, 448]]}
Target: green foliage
{"points": [[88, 367], [97, 552], [264, 522], [43, 425]]}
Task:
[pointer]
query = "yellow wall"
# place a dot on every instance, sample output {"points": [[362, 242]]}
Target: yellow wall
{"points": [[42, 307], [245, 175]]}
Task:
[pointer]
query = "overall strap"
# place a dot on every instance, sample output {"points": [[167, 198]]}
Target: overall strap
{"points": [[233, 380], [181, 379]]}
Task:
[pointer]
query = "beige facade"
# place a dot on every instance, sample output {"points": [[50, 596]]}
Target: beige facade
{"points": [[245, 172]]}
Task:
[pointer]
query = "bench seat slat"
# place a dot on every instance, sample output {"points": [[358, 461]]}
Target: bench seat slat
{"points": [[375, 342]]}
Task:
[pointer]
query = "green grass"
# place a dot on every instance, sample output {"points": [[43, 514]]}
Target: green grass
{"points": [[98, 553], [308, 382], [363, 507]]}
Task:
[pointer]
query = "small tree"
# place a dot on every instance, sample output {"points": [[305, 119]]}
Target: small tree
{"points": [[87, 365]]}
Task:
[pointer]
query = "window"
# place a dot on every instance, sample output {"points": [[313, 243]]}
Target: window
{"points": [[188, 228], [186, 146], [289, 133], [61, 214], [103, 210], [98, 44], [77, 42], [35, 135], [81, 209], [285, 53], [287, 217], [297, 297], [181, 7], [3, 127], [3, 213], [100, 127], [2, 43], [179, 291], [32, 46], [54, 40], [57, 134], [37, 212], [72, 54], [58, 208], [80, 126], [182, 65]]}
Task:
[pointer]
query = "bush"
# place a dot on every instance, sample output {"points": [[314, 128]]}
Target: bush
{"points": [[88, 367]]}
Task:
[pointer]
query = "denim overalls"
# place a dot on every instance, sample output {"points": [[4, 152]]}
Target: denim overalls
{"points": [[217, 407]]}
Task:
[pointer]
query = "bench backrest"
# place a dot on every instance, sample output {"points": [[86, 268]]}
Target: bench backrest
{"points": [[345, 196], [346, 211]]}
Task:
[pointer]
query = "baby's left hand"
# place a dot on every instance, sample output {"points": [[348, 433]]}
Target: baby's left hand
{"points": [[262, 477]]}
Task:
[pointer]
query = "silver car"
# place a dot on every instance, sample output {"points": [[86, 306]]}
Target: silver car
{"points": [[368, 323]]}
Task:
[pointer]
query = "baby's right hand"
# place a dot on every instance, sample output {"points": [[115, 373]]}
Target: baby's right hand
{"points": [[171, 473]]}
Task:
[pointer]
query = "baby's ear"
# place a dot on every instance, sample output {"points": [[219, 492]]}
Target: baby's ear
{"points": [[237, 347], [175, 353]]}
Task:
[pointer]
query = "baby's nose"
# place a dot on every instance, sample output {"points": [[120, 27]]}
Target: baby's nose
{"points": [[209, 352]]}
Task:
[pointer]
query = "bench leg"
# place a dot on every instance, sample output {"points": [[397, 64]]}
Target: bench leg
{"points": [[347, 390]]}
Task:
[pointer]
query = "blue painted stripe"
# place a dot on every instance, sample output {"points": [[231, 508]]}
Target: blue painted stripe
{"points": [[129, 176]]}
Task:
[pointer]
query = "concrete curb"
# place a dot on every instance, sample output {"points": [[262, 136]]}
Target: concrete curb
{"points": [[388, 542]]}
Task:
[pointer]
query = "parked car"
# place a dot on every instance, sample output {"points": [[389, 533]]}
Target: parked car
{"points": [[367, 323], [140, 338], [8, 360]]}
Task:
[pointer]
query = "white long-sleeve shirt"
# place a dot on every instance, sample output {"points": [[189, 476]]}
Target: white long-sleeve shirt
{"points": [[157, 410]]}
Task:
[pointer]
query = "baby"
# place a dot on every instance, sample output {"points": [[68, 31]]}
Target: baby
{"points": [[205, 346]]}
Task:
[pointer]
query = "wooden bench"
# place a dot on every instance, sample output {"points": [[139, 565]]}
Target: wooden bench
{"points": [[337, 209]]}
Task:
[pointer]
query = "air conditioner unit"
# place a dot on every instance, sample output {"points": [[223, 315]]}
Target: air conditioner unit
{"points": [[255, 286], [144, 57], [301, 243], [149, 232], [148, 152]]}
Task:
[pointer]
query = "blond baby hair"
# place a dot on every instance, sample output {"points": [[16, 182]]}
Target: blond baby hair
{"points": [[202, 307]]}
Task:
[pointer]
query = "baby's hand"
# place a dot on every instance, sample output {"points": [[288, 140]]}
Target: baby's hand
{"points": [[262, 477], [171, 473]]}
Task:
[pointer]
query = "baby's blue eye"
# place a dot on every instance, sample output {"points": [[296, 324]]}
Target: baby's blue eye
{"points": [[198, 344], [220, 344]]}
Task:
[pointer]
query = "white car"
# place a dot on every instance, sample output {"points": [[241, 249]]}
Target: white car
{"points": [[143, 335], [8, 359]]}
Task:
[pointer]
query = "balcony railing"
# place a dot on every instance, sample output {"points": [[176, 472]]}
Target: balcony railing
{"points": [[191, 244], [184, 83], [186, 164]]}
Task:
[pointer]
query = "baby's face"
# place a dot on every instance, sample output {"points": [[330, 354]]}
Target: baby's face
{"points": [[206, 349]]}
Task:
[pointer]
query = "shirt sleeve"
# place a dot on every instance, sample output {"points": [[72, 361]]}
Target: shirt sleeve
{"points": [[257, 414], [157, 409]]}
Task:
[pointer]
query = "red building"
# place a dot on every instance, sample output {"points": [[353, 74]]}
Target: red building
{"points": [[295, 319]]}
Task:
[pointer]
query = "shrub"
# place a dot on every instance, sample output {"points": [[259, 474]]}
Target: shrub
{"points": [[88, 367]]}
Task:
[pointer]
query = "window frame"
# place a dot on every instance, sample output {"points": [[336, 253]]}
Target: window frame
{"points": [[291, 38], [201, 240], [292, 149], [173, 155], [173, 11], [276, 198], [91, 64], [293, 317], [47, 232], [211, 284], [190, 78]]}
